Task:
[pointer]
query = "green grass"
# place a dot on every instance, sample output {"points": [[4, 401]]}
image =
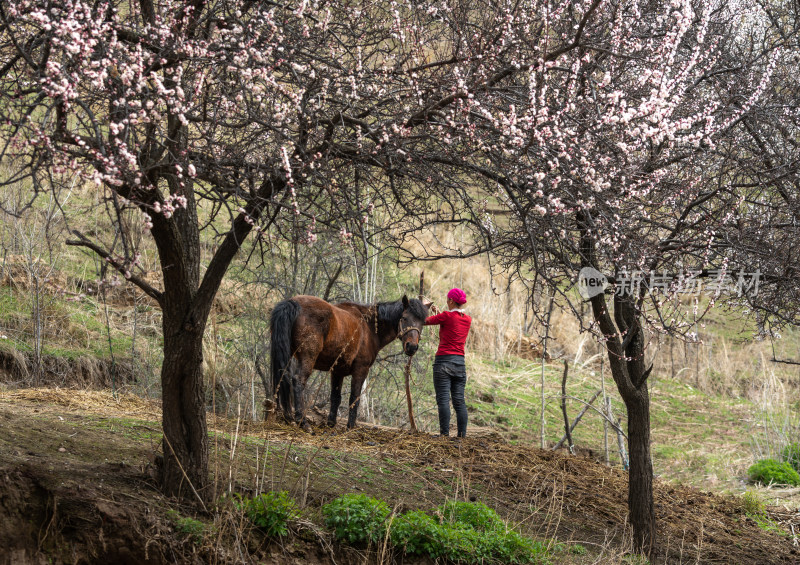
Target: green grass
{"points": [[135, 429], [515, 387], [187, 527], [753, 506], [72, 329]]}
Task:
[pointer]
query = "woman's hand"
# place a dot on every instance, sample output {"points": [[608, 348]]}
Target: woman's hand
{"points": [[433, 309]]}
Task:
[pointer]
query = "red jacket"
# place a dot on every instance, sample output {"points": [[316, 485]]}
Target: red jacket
{"points": [[453, 332]]}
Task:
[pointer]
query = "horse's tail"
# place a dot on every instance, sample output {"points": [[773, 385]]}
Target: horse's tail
{"points": [[281, 323]]}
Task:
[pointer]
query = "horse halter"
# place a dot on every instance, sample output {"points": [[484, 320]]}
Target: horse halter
{"points": [[401, 331]]}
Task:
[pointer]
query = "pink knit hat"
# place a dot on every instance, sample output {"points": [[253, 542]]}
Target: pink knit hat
{"points": [[457, 295]]}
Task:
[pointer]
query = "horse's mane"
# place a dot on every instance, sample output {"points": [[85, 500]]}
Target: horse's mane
{"points": [[389, 313]]}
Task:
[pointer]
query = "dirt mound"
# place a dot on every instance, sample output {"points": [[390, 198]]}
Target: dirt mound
{"points": [[76, 486], [574, 498], [84, 372], [68, 495], [74, 521]]}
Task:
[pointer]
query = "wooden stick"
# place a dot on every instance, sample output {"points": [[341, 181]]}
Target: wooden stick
{"points": [[623, 454], [567, 431], [578, 418], [544, 356], [412, 424], [605, 410]]}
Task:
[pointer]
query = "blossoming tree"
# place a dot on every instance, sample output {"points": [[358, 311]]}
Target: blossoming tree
{"points": [[765, 232], [618, 155], [589, 125], [230, 117]]}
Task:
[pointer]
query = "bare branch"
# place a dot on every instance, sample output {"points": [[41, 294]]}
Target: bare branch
{"points": [[83, 241]]}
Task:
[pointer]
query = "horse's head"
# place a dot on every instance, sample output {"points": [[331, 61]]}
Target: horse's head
{"points": [[409, 330]]}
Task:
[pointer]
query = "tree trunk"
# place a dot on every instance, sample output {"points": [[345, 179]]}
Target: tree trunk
{"points": [[185, 471], [640, 474], [625, 344], [186, 305]]}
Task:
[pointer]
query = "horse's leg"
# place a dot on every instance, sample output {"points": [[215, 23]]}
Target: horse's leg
{"points": [[357, 383], [336, 397], [291, 382], [306, 366]]}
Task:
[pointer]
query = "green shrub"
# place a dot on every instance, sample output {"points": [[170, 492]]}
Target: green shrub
{"points": [[473, 514], [511, 547], [271, 512], [791, 454], [466, 545], [356, 518], [416, 533], [768, 471], [187, 527], [495, 542], [473, 533], [470, 533]]}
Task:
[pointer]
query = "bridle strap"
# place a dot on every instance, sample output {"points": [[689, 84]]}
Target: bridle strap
{"points": [[403, 331]]}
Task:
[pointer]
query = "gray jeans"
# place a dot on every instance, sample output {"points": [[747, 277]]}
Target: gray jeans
{"points": [[449, 379]]}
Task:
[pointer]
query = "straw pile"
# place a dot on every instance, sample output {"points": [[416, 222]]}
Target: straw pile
{"points": [[91, 401]]}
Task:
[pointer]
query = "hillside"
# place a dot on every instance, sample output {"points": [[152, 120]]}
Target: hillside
{"points": [[716, 407], [76, 482]]}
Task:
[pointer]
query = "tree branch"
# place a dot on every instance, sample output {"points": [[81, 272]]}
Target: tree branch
{"points": [[83, 241], [242, 225]]}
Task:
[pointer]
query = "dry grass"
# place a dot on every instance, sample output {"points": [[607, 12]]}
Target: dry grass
{"points": [[101, 402]]}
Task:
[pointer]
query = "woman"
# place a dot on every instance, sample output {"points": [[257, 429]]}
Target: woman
{"points": [[449, 371]]}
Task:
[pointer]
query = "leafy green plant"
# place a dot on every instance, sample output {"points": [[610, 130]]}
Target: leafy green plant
{"points": [[187, 527], [578, 549], [511, 547], [791, 454], [473, 514], [356, 518], [271, 511], [770, 471], [417, 533], [471, 533], [497, 542]]}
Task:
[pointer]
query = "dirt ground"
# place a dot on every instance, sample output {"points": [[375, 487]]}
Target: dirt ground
{"points": [[76, 486]]}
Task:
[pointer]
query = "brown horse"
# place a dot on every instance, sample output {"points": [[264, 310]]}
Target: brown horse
{"points": [[309, 333]]}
